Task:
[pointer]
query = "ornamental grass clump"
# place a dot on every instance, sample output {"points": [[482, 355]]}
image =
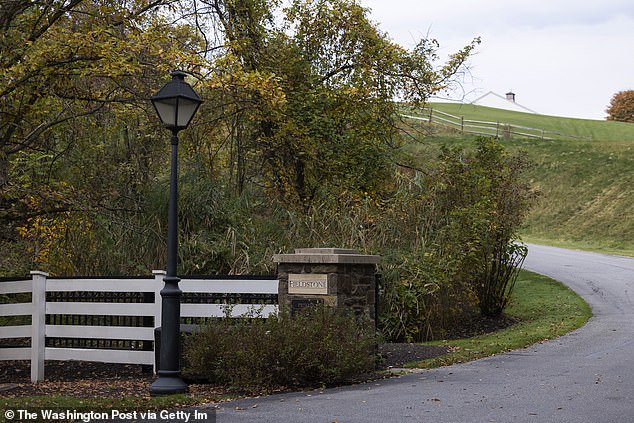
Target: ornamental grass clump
{"points": [[320, 346]]}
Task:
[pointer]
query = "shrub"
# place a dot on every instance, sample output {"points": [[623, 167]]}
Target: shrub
{"points": [[499, 271], [319, 346], [420, 298], [460, 220], [503, 199]]}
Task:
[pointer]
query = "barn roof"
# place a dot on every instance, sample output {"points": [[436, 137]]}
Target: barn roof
{"points": [[492, 99]]}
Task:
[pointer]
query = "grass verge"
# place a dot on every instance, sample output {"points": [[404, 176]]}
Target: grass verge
{"points": [[545, 308], [593, 246]]}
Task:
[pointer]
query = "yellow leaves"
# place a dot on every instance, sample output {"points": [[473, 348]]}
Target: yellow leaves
{"points": [[234, 79], [43, 232], [52, 238], [101, 40], [458, 59], [51, 229]]}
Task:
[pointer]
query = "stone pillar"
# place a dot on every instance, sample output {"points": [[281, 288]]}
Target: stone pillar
{"points": [[337, 277]]}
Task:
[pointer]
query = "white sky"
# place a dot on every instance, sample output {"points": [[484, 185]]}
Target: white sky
{"points": [[560, 57]]}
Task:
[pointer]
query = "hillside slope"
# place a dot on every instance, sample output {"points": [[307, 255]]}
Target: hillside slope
{"points": [[587, 193], [593, 129], [586, 186]]}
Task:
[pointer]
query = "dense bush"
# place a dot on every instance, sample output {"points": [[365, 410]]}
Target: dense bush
{"points": [[320, 346], [485, 200]]}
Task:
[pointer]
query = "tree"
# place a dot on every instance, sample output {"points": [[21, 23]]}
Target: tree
{"points": [[622, 107], [75, 76], [62, 61], [308, 100]]}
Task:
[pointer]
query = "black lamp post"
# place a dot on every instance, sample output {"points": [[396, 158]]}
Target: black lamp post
{"points": [[176, 103]]}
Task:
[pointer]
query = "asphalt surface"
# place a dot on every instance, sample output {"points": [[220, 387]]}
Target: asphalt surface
{"points": [[585, 376]]}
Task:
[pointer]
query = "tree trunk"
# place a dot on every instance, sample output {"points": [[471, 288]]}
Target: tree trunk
{"points": [[4, 169]]}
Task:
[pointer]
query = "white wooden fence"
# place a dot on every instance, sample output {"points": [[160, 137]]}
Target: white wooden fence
{"points": [[39, 307]]}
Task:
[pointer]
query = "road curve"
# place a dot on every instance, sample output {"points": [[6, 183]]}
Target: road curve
{"points": [[585, 376]]}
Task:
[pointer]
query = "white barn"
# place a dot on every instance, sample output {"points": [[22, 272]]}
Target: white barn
{"points": [[492, 99]]}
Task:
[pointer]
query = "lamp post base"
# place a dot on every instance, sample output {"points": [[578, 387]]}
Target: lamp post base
{"points": [[168, 384]]}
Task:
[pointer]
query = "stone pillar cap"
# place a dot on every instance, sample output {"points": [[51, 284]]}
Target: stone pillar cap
{"points": [[325, 251], [326, 256]]}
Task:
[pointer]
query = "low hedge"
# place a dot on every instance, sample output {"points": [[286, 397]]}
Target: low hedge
{"points": [[317, 347]]}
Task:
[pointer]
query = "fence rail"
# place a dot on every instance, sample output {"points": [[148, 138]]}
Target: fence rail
{"points": [[113, 320], [479, 127]]}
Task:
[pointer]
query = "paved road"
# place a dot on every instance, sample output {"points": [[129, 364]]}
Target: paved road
{"points": [[585, 376]]}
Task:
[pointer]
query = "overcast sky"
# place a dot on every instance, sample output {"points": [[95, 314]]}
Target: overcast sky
{"points": [[560, 57]]}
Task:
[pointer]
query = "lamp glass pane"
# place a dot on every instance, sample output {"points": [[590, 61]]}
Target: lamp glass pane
{"points": [[186, 110], [166, 109]]}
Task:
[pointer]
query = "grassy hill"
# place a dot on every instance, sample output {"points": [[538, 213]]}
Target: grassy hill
{"points": [[587, 186], [585, 128]]}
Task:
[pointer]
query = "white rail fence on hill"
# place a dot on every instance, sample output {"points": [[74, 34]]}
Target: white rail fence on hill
{"points": [[479, 127], [110, 330]]}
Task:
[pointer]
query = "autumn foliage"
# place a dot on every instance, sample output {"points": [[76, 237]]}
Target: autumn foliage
{"points": [[622, 107]]}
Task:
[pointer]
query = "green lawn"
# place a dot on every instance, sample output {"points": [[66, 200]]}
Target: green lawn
{"points": [[593, 129], [586, 194]]}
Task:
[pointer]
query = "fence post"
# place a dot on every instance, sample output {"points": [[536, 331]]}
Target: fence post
{"points": [[431, 110], [462, 124], [158, 285], [38, 325], [158, 279]]}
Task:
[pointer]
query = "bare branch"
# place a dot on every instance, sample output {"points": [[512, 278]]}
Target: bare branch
{"points": [[37, 132]]}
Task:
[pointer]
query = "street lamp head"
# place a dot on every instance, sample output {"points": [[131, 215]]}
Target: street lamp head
{"points": [[176, 103]]}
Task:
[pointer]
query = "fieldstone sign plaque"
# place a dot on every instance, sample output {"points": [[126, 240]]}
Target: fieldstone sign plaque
{"points": [[311, 284]]}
